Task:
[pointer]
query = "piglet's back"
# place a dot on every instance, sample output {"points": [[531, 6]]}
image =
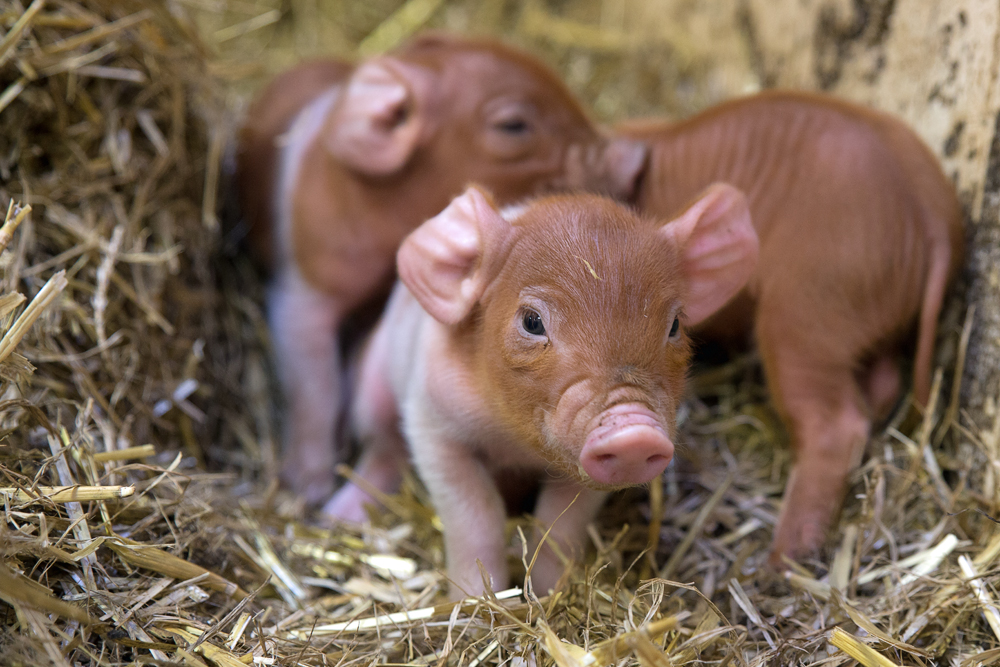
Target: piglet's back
{"points": [[817, 171], [780, 143], [269, 116]]}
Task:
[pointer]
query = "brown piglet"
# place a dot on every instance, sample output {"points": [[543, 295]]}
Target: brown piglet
{"points": [[337, 163], [860, 233], [547, 339]]}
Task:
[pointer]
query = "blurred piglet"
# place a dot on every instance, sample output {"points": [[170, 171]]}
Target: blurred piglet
{"points": [[547, 338], [338, 163]]}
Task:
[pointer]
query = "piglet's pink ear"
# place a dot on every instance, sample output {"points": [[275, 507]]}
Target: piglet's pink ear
{"points": [[440, 262], [718, 247], [374, 127]]}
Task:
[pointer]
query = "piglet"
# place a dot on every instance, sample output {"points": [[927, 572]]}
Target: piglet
{"points": [[546, 339], [860, 233], [337, 163]]}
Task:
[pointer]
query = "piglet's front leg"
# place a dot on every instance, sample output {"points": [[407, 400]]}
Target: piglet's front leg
{"points": [[471, 509], [564, 508], [304, 325]]}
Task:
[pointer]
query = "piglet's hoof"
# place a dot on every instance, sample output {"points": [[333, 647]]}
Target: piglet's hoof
{"points": [[778, 561], [803, 540], [347, 505], [313, 486]]}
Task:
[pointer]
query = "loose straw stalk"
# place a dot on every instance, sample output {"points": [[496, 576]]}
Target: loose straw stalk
{"points": [[861, 652], [46, 296], [67, 494], [11, 222], [140, 452], [988, 605]]}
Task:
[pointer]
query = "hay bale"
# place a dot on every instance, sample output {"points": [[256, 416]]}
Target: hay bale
{"points": [[113, 121], [111, 129]]}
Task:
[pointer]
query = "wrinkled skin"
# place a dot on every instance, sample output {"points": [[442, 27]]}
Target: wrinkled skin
{"points": [[549, 341], [860, 233], [338, 163]]}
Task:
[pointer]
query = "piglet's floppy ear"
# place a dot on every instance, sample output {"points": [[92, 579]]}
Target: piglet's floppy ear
{"points": [[440, 262], [374, 127], [718, 248]]}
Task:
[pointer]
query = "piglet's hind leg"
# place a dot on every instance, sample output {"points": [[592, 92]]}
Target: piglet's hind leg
{"points": [[829, 428], [881, 384]]}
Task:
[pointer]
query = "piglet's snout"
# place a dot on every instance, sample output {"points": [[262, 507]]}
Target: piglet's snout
{"points": [[627, 446]]}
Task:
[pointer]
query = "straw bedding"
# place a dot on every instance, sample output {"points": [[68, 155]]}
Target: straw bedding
{"points": [[141, 523]]}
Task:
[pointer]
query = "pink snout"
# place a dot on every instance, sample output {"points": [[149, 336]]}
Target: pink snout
{"points": [[628, 446]]}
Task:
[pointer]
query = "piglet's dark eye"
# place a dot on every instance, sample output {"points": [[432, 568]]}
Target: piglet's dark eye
{"points": [[532, 323], [513, 126], [675, 327]]}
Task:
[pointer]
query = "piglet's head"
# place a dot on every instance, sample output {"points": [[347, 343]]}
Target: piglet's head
{"points": [[444, 110], [572, 312]]}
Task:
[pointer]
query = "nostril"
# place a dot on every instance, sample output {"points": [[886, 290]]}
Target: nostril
{"points": [[627, 446]]}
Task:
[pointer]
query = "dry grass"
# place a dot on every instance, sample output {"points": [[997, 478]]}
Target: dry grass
{"points": [[139, 363]]}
